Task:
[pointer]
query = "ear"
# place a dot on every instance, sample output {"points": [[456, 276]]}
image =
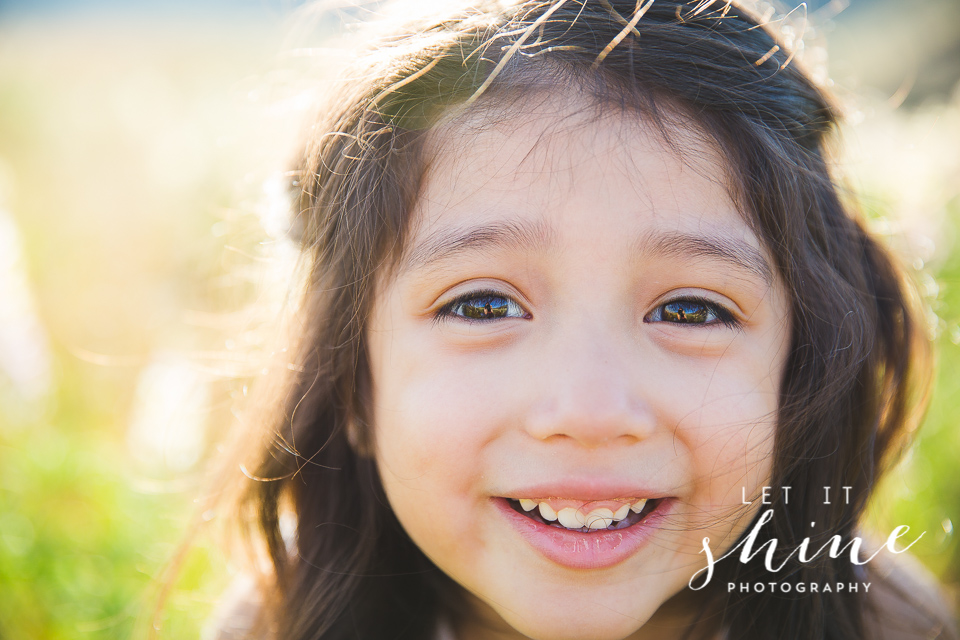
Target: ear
{"points": [[359, 431], [357, 437]]}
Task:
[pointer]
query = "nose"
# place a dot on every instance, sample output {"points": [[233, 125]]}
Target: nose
{"points": [[591, 390]]}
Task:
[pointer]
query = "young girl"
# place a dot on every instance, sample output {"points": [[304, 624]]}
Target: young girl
{"points": [[584, 313]]}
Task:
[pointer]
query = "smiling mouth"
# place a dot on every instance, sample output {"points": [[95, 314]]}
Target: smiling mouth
{"points": [[585, 520]]}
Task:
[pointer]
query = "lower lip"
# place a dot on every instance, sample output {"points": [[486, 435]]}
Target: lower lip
{"points": [[579, 550]]}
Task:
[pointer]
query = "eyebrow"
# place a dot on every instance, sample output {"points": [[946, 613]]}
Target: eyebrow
{"points": [[733, 251], [445, 243], [538, 236]]}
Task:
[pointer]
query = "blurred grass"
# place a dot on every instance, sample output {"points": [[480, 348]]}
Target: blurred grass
{"points": [[924, 492], [80, 544], [121, 145]]}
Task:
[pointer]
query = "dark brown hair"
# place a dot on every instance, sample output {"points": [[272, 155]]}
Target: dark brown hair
{"points": [[854, 381]]}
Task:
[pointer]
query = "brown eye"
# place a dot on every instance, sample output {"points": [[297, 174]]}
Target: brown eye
{"points": [[692, 311], [686, 311], [482, 306], [485, 308]]}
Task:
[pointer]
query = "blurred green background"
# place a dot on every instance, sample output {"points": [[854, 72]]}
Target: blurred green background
{"points": [[140, 206]]}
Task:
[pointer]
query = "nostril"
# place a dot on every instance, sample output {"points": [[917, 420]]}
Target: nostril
{"points": [[591, 433]]}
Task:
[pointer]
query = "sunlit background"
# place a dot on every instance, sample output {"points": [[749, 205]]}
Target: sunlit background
{"points": [[141, 210]]}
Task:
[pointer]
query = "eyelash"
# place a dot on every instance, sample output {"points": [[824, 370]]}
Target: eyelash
{"points": [[720, 313]]}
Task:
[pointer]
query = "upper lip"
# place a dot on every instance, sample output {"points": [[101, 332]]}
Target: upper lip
{"points": [[586, 489]]}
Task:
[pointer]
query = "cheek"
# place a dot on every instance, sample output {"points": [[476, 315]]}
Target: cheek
{"points": [[422, 429], [432, 423], [436, 409], [732, 439], [431, 433], [725, 415]]}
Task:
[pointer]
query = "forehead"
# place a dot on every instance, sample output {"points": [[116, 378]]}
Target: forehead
{"points": [[559, 169], [527, 138]]}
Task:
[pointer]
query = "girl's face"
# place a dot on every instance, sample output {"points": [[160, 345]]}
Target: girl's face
{"points": [[582, 321]]}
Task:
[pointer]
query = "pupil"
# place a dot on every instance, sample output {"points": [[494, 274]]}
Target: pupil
{"points": [[685, 311], [485, 308]]}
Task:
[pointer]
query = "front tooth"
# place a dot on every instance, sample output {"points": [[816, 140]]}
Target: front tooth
{"points": [[622, 513], [570, 518], [599, 518], [547, 512], [528, 505], [637, 506]]}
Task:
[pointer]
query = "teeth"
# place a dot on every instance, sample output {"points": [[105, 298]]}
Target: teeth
{"points": [[547, 512], [599, 518], [571, 518]]}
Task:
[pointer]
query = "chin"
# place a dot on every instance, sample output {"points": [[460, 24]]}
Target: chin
{"points": [[581, 620]]}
